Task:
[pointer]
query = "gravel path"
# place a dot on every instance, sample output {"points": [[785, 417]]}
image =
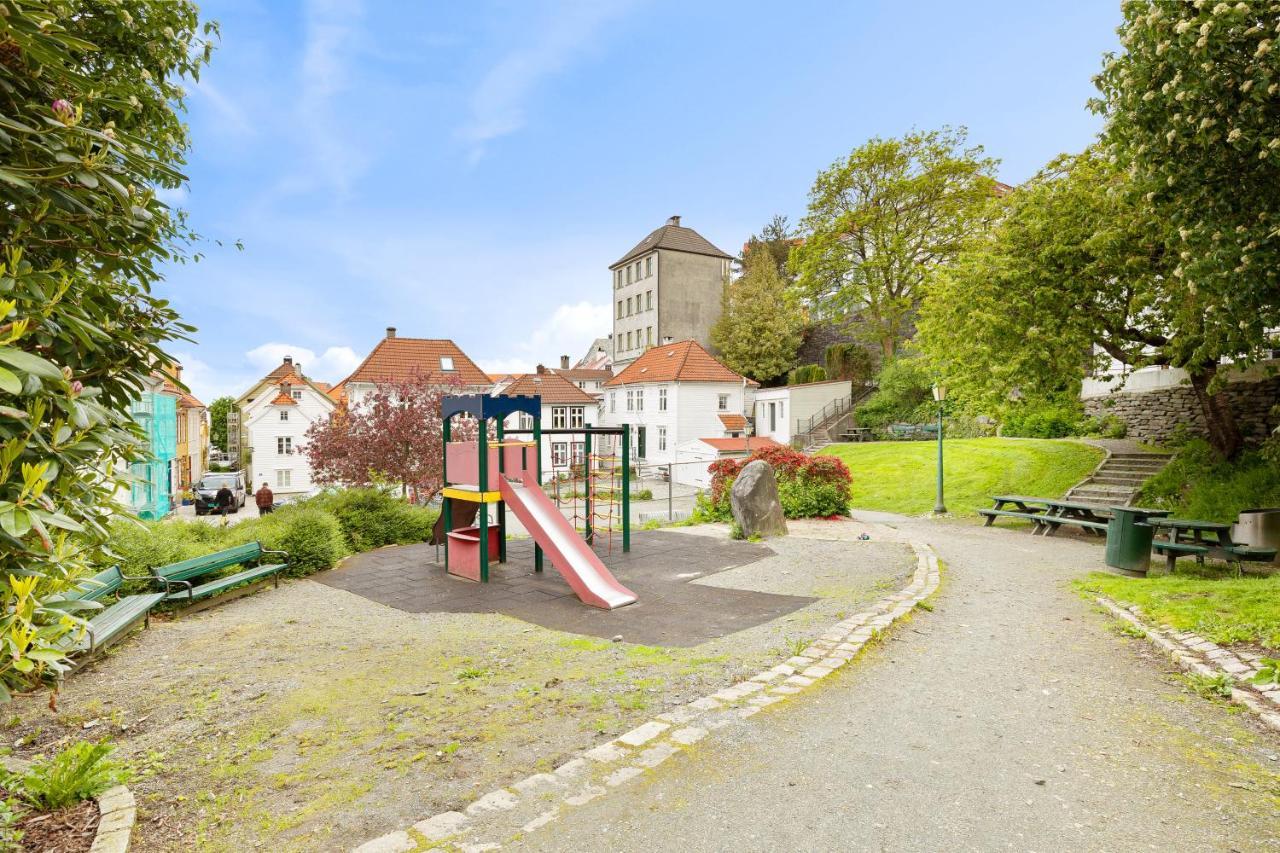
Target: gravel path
{"points": [[1010, 717]]}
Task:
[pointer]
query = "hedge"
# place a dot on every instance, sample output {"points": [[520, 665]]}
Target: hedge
{"points": [[808, 486]]}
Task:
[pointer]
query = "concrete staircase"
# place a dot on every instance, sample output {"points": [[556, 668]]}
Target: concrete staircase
{"points": [[1118, 479], [827, 425]]}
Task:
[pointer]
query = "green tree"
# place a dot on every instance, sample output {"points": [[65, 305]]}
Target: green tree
{"points": [[1193, 110], [760, 326], [882, 218], [90, 95], [1075, 274], [218, 411], [774, 242]]}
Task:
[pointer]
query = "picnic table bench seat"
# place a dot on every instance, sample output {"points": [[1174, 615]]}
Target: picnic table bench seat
{"points": [[993, 514], [115, 619], [181, 578]]}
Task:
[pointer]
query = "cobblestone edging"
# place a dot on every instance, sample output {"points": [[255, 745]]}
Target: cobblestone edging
{"points": [[540, 799], [1194, 653], [118, 812]]}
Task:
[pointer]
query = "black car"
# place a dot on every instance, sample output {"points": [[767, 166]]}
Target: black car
{"points": [[207, 491]]}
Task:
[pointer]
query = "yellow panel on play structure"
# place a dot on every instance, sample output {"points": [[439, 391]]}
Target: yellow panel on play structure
{"points": [[463, 493]]}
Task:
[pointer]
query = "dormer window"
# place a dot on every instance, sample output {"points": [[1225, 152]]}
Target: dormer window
{"points": [[446, 362], [297, 395]]}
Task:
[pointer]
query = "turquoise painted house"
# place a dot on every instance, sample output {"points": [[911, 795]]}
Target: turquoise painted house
{"points": [[152, 490]]}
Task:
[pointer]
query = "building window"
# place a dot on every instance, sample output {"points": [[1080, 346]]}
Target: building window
{"points": [[446, 362], [558, 417], [525, 421], [628, 273], [284, 445], [662, 438], [648, 266], [628, 306], [628, 340], [723, 403], [617, 278], [662, 399], [284, 477], [575, 417], [613, 402], [297, 395], [631, 400], [559, 453], [284, 416], [648, 300], [619, 309], [648, 336], [579, 452], [639, 399]]}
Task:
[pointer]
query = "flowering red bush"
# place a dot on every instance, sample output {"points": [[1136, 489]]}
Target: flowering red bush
{"points": [[808, 485]]}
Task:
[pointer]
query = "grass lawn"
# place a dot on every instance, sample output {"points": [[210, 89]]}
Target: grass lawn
{"points": [[901, 476], [1224, 610]]}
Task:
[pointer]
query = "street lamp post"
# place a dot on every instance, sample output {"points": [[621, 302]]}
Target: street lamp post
{"points": [[940, 396]]}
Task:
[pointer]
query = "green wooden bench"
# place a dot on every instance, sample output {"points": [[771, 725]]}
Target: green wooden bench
{"points": [[114, 620], [181, 580], [1232, 554]]}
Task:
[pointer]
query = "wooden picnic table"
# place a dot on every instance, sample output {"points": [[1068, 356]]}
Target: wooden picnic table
{"points": [[1048, 514], [1187, 537], [856, 434]]}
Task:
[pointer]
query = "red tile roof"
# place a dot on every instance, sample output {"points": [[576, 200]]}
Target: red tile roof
{"points": [[684, 361], [754, 443], [401, 359], [284, 399], [734, 422], [676, 237], [551, 387], [586, 374]]}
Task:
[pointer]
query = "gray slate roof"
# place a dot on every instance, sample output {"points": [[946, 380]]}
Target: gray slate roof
{"points": [[674, 237]]}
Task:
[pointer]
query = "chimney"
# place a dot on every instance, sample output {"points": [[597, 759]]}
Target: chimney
{"points": [[288, 359], [564, 362], [674, 220], [541, 369], [391, 332]]}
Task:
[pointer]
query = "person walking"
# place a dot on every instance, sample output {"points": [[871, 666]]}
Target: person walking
{"points": [[225, 499], [264, 499]]}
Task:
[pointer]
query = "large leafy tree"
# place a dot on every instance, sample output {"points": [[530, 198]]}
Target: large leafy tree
{"points": [[218, 411], [882, 218], [775, 241], [1193, 111], [395, 435], [761, 323], [90, 95], [1075, 274]]}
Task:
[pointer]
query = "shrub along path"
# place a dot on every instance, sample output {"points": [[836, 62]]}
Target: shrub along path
{"points": [[1010, 716], [309, 719]]}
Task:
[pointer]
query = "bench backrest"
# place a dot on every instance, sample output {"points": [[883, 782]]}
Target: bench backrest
{"points": [[207, 563], [99, 586]]}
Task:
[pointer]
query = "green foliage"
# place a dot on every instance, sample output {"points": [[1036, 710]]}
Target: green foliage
{"points": [[90, 96], [1044, 419], [808, 486], [849, 361], [642, 494], [807, 373], [761, 326], [1198, 483], [901, 476], [1208, 686], [1192, 113], [218, 411], [1210, 602], [313, 538], [880, 219], [772, 245], [1268, 672], [372, 518], [805, 497], [11, 812], [79, 772], [903, 394]]}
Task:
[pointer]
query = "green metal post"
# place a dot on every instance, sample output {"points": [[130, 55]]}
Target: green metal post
{"points": [[502, 505], [446, 506], [939, 507], [537, 461], [626, 488], [483, 445], [586, 470]]}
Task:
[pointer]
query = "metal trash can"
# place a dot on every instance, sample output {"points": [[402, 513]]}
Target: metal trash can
{"points": [[1259, 528], [1128, 542]]}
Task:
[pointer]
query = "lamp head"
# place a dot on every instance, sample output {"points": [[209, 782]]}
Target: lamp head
{"points": [[939, 392]]}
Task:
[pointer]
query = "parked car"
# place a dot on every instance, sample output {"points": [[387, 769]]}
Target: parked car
{"points": [[207, 491]]}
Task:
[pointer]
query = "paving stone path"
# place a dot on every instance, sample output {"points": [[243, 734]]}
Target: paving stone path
{"points": [[1010, 717]]}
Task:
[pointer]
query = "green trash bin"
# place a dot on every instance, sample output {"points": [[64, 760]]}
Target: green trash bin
{"points": [[1129, 541]]}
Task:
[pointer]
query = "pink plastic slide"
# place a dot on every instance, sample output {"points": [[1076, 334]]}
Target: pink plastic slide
{"points": [[571, 556]]}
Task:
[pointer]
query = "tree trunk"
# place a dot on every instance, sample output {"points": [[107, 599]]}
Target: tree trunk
{"points": [[1224, 433], [887, 346]]}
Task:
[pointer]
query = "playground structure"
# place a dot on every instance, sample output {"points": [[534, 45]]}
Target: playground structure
{"points": [[506, 474]]}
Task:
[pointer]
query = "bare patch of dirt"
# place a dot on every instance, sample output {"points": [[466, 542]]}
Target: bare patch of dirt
{"points": [[69, 830]]}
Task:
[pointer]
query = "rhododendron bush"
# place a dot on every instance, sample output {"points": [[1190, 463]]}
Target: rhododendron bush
{"points": [[808, 486]]}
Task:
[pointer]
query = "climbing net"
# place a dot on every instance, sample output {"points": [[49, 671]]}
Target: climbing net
{"points": [[591, 488]]}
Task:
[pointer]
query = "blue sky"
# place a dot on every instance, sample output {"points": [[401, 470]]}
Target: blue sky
{"points": [[471, 170]]}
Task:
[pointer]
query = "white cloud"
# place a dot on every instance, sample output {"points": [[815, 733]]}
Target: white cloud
{"points": [[331, 39], [497, 104], [569, 331], [207, 383], [173, 197], [233, 117], [333, 365], [501, 366]]}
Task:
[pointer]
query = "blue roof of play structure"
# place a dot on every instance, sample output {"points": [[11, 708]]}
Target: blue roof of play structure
{"points": [[484, 406]]}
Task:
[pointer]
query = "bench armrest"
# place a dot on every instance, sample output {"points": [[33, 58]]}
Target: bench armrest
{"points": [[169, 585], [148, 578], [284, 554]]}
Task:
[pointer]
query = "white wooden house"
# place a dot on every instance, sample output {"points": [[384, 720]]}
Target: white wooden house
{"points": [[564, 406], [781, 413], [275, 415]]}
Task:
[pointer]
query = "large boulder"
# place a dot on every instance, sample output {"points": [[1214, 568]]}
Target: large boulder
{"points": [[754, 501]]}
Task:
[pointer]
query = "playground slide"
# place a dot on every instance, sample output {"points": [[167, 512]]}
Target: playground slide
{"points": [[571, 556]]}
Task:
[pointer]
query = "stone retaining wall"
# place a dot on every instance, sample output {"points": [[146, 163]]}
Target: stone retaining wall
{"points": [[1154, 414]]}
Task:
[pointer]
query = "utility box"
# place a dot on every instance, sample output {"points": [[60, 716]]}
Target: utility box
{"points": [[1128, 540]]}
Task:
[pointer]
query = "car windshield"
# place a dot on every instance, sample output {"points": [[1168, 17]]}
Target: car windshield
{"points": [[218, 482]]}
